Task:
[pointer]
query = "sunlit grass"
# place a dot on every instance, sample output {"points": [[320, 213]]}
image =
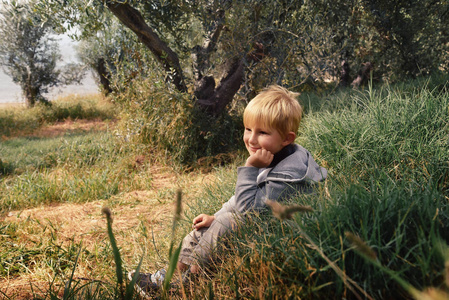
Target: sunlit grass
{"points": [[387, 153]]}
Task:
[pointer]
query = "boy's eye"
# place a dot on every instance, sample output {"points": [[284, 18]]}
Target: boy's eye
{"points": [[263, 132], [247, 129]]}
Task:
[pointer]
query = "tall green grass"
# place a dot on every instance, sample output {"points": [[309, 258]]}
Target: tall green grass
{"points": [[397, 131], [275, 258]]}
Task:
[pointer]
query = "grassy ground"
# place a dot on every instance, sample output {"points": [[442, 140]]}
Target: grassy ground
{"points": [[386, 198]]}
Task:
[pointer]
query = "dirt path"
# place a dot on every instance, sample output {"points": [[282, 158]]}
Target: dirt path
{"points": [[85, 219], [61, 128]]}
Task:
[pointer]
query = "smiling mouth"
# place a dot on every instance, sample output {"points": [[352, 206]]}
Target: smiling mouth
{"points": [[253, 149]]}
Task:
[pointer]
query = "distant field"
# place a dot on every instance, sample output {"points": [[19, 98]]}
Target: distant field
{"points": [[11, 104]]}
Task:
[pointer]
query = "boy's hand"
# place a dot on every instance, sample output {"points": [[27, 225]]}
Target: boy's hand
{"points": [[261, 159], [202, 220]]}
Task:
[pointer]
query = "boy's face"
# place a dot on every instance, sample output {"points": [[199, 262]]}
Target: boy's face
{"points": [[258, 137]]}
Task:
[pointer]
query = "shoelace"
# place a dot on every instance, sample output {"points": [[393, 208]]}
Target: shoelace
{"points": [[158, 277]]}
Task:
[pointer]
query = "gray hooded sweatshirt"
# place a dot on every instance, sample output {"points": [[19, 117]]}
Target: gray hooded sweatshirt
{"points": [[295, 171]]}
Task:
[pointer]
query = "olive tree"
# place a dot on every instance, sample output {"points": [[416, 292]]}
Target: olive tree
{"points": [[206, 48], [306, 39], [29, 52]]}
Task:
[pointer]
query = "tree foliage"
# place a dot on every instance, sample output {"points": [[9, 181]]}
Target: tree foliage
{"points": [[403, 39], [29, 52], [107, 54], [206, 47], [298, 42]]}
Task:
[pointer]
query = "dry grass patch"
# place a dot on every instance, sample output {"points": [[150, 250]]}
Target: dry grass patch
{"points": [[72, 126]]}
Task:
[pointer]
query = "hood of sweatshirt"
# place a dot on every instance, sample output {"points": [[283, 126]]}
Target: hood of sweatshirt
{"points": [[299, 166]]}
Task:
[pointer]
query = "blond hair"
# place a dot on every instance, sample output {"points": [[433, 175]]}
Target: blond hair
{"points": [[275, 107]]}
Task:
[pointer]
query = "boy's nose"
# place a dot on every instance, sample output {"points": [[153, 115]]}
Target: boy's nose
{"points": [[252, 139]]}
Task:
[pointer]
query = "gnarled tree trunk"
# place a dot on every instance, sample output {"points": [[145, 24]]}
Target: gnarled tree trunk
{"points": [[104, 75], [210, 97]]}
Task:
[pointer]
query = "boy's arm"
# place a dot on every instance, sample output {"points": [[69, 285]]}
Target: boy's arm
{"points": [[261, 159], [294, 174], [228, 206], [247, 192], [252, 196]]}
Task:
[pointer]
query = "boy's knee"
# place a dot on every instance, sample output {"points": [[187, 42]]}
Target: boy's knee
{"points": [[195, 269], [228, 220], [182, 266]]}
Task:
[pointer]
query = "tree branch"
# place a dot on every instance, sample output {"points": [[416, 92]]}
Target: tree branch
{"points": [[210, 98], [229, 85], [201, 55], [131, 18]]}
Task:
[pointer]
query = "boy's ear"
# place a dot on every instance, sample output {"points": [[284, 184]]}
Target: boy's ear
{"points": [[289, 138]]}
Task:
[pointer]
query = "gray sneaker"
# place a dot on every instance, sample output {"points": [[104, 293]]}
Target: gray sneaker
{"points": [[146, 283], [158, 277], [185, 279]]}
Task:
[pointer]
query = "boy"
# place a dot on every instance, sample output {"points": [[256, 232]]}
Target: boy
{"points": [[276, 169]]}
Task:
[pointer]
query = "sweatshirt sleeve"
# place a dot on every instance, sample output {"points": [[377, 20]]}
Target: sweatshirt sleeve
{"points": [[246, 190], [249, 195]]}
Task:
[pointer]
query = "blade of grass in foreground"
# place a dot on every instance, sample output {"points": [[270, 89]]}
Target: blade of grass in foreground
{"points": [[67, 290], [129, 292], [117, 258], [173, 253], [284, 213], [130, 287]]}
